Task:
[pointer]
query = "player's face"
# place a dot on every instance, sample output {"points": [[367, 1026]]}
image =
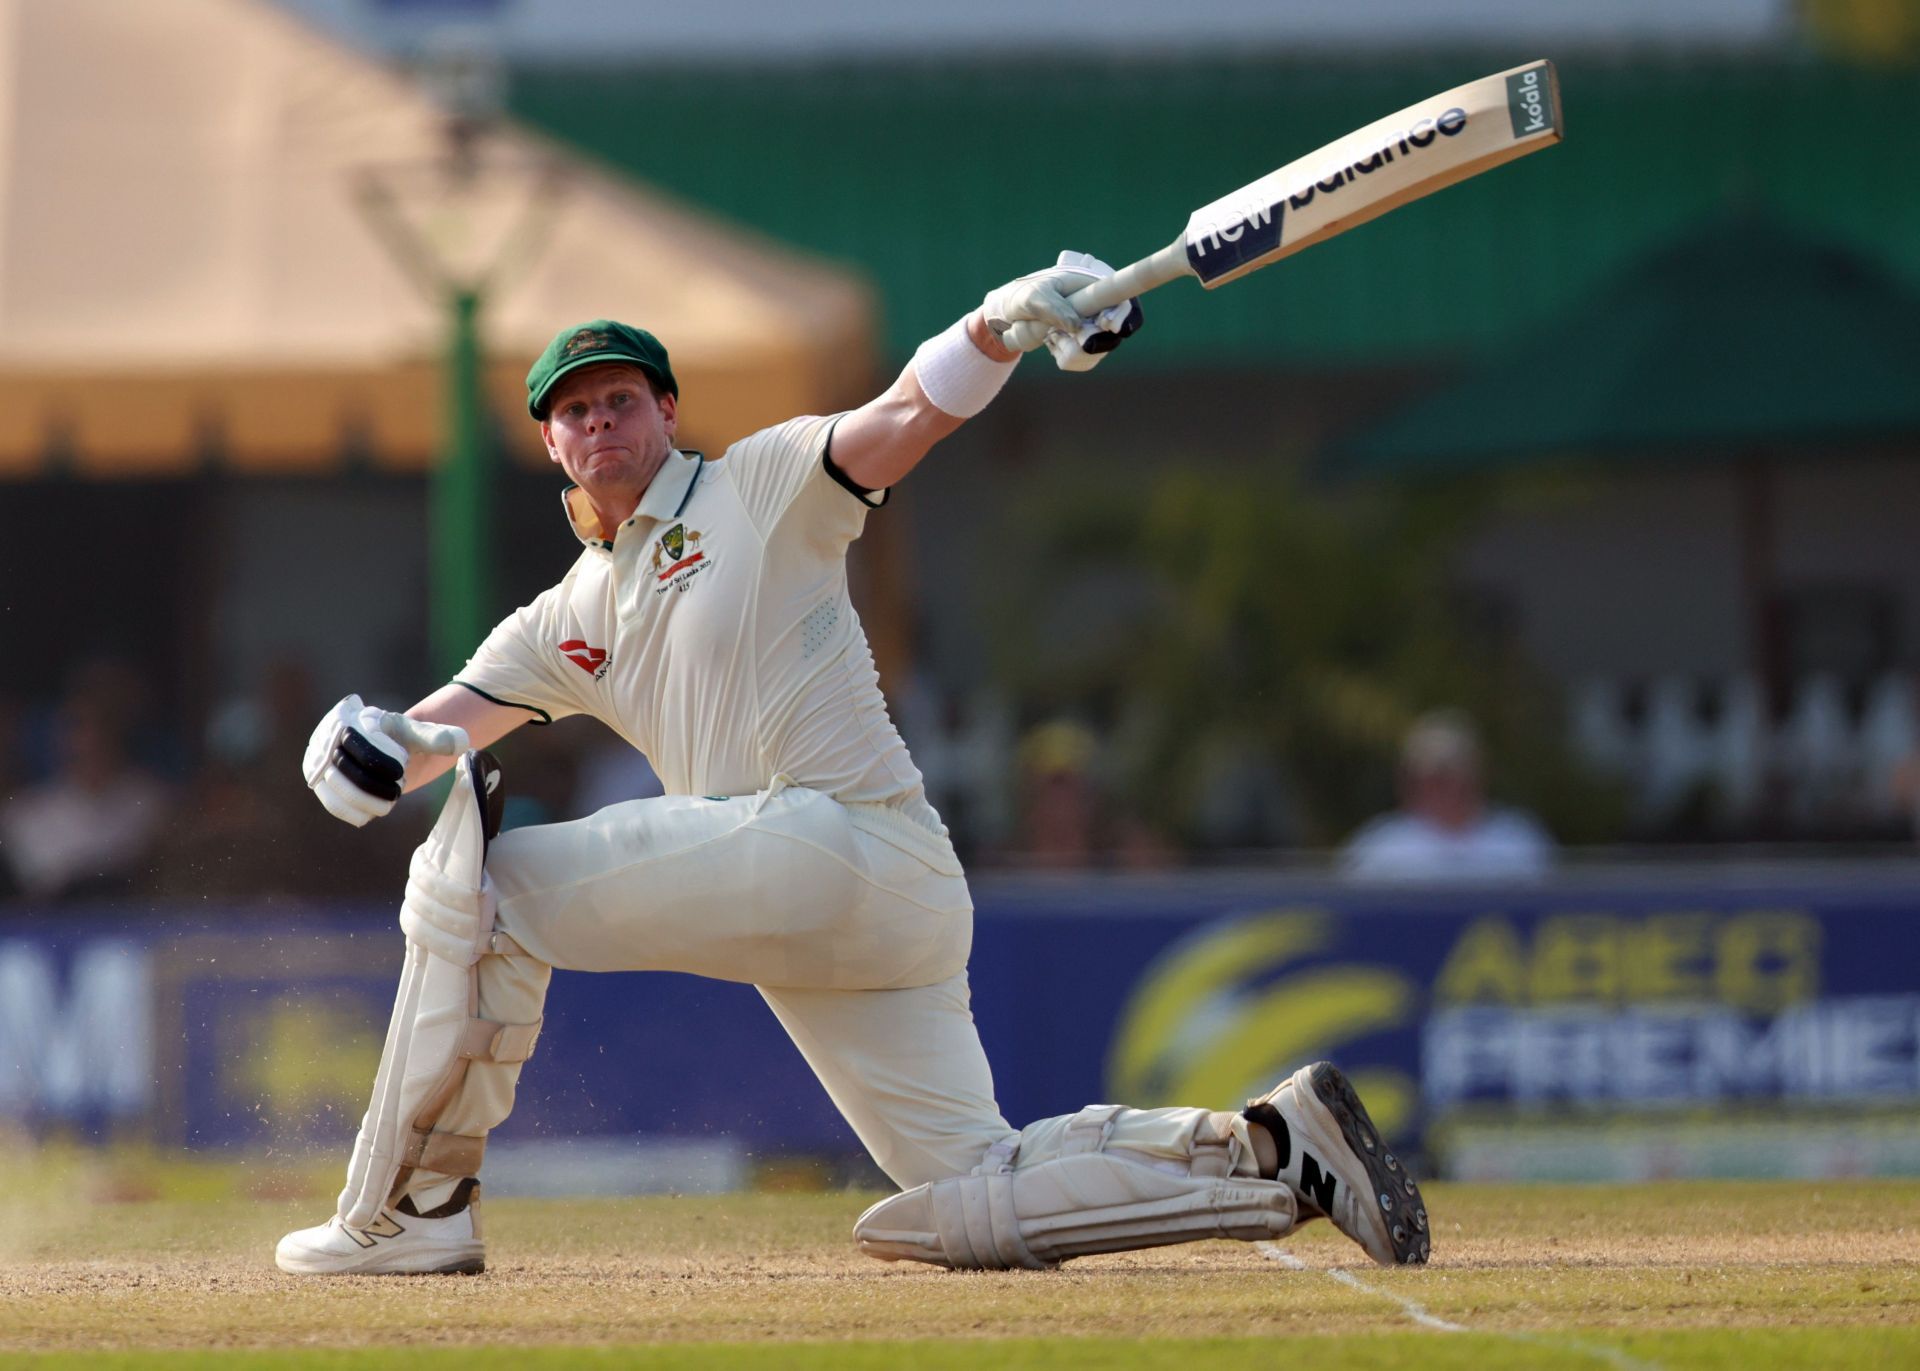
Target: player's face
{"points": [[606, 430]]}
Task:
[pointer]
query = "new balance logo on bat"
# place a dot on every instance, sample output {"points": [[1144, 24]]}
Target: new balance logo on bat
{"points": [[1249, 234], [1229, 234]]}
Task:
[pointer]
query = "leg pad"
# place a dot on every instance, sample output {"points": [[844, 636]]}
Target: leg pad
{"points": [[1090, 1198], [435, 1031]]}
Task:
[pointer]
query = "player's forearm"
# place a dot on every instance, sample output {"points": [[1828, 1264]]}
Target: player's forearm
{"points": [[485, 721], [423, 769], [884, 439]]}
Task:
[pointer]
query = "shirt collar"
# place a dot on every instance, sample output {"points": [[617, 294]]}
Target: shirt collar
{"points": [[671, 487], [666, 496]]}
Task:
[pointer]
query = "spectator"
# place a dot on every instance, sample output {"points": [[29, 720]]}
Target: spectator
{"points": [[1060, 800], [1444, 829], [242, 831], [88, 829]]}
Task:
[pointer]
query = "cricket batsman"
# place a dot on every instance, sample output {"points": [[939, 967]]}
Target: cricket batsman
{"points": [[706, 621]]}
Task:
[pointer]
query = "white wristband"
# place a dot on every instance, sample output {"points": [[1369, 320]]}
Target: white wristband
{"points": [[954, 374]]}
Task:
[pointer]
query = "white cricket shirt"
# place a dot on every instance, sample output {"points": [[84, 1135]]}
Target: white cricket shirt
{"points": [[714, 631], [1503, 845]]}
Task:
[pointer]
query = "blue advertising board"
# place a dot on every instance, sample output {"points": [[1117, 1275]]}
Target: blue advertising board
{"points": [[1564, 1003], [1468, 1014]]}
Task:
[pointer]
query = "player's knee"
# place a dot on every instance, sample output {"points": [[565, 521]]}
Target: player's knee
{"points": [[929, 1156], [510, 860]]}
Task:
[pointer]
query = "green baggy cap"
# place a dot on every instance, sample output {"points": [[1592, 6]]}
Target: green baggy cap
{"points": [[589, 344]]}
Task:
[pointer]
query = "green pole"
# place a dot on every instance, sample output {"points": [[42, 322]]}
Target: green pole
{"points": [[462, 499]]}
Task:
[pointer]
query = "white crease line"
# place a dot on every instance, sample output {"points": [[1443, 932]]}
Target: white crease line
{"points": [[1413, 1310], [1407, 1306]]}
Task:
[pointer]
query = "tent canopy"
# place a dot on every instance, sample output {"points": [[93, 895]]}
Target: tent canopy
{"points": [[1743, 335], [188, 272]]}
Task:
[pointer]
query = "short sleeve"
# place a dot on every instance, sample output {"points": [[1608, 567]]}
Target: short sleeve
{"points": [[523, 662], [1375, 851], [784, 467]]}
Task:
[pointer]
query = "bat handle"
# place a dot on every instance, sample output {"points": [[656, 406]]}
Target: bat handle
{"points": [[1136, 278]]}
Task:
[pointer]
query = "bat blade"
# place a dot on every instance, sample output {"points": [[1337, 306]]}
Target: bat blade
{"points": [[1423, 148]]}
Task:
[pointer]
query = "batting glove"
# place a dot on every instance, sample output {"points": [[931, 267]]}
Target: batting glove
{"points": [[356, 760], [1033, 310]]}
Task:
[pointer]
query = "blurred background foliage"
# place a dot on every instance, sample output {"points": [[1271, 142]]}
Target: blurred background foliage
{"points": [[1256, 646]]}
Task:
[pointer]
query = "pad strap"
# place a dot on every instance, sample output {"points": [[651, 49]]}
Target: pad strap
{"points": [[1000, 1157], [501, 945], [1212, 1155], [1090, 1129], [450, 1154], [501, 1043], [457, 1154], [978, 1224]]}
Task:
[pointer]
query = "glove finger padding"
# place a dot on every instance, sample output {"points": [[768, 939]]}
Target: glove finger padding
{"points": [[1039, 300], [1084, 349], [1035, 299], [346, 794], [347, 802], [326, 737], [1076, 343], [369, 765], [356, 760]]}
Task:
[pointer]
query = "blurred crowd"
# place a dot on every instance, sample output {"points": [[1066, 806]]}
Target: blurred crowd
{"points": [[104, 797]]}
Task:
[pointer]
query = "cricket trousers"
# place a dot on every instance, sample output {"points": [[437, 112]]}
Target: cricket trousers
{"points": [[852, 921]]}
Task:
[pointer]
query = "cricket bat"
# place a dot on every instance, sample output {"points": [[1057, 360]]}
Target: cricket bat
{"points": [[1425, 147]]}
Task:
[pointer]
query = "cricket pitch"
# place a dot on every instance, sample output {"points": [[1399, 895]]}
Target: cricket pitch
{"points": [[151, 1266]]}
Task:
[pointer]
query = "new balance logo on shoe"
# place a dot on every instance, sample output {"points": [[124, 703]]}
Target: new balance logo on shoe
{"points": [[386, 1226], [1317, 1183]]}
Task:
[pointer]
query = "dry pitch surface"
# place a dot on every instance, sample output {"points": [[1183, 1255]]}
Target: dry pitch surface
{"points": [[143, 1266]]}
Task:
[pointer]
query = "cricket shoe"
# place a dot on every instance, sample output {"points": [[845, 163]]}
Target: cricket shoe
{"points": [[442, 1242], [1338, 1165]]}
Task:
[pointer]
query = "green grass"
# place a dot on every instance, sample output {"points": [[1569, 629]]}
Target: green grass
{"points": [[126, 1261], [1777, 1349]]}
